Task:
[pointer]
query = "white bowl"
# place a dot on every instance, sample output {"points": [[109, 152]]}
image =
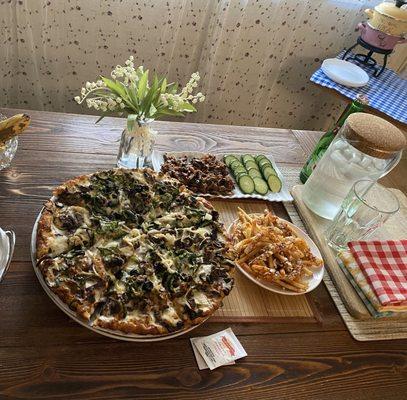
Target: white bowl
{"points": [[312, 281], [344, 72]]}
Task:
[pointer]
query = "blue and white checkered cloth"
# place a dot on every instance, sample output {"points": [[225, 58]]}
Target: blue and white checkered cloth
{"points": [[387, 93]]}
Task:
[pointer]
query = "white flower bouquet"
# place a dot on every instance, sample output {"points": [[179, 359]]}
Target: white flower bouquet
{"points": [[130, 93]]}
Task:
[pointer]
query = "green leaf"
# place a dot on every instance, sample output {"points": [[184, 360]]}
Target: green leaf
{"points": [[131, 121], [155, 83], [172, 88], [115, 87], [118, 88], [167, 111], [131, 92], [142, 86], [152, 111], [155, 98], [187, 107], [150, 97], [102, 92], [163, 86]]}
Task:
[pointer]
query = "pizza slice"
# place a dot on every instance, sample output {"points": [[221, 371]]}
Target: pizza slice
{"points": [[78, 278], [62, 228]]}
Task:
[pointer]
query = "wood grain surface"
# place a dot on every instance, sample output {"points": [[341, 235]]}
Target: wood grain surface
{"points": [[45, 355]]}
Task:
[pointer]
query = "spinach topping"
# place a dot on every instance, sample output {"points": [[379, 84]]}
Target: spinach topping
{"points": [[114, 229]]}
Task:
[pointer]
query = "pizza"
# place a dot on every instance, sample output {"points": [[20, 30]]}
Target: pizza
{"points": [[134, 251]]}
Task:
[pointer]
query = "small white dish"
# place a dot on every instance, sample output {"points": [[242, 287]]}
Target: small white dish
{"points": [[344, 72], [313, 281], [7, 241]]}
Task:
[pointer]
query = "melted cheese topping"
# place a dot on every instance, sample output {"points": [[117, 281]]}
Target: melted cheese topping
{"points": [[170, 316], [59, 245], [202, 301]]}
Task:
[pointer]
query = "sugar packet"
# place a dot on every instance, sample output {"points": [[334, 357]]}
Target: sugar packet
{"points": [[220, 348], [199, 359]]}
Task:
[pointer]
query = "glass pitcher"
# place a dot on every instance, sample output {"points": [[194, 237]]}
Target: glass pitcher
{"points": [[366, 147]]}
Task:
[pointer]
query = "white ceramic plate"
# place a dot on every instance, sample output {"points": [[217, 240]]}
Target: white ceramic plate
{"points": [[344, 72], [313, 281], [87, 324], [282, 195]]}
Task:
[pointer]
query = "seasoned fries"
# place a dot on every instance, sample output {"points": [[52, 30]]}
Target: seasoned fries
{"points": [[268, 248]]}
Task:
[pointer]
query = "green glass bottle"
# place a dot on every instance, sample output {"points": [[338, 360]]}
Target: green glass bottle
{"points": [[357, 105]]}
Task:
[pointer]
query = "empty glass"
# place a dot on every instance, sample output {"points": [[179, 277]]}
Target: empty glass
{"points": [[366, 207], [7, 149], [7, 152]]}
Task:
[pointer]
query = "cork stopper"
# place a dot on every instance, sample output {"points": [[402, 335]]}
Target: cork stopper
{"points": [[373, 135]]}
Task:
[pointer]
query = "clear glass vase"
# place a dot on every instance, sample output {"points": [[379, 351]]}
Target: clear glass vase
{"points": [[7, 152], [136, 145]]}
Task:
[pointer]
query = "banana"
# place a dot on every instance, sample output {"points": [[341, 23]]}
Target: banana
{"points": [[13, 126]]}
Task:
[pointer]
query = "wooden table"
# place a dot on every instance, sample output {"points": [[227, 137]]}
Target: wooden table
{"points": [[45, 355]]}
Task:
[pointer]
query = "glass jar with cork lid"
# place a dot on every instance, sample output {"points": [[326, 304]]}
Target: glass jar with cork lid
{"points": [[366, 147]]}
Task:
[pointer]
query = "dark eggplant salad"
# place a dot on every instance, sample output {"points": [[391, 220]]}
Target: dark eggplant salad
{"points": [[134, 251]]}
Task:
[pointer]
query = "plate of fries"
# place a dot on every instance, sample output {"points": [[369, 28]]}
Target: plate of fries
{"points": [[275, 254]]}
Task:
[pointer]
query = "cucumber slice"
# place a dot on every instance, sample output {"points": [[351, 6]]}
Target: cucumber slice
{"points": [[269, 171], [239, 175], [263, 162], [239, 170], [235, 163], [264, 166], [274, 183], [254, 173], [260, 185], [260, 157], [250, 163], [250, 168], [246, 184], [248, 157], [228, 159], [237, 167]]}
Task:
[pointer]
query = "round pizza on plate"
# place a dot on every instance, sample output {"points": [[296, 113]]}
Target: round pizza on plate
{"points": [[134, 251]]}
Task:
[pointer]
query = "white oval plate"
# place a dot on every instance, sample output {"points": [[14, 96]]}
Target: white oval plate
{"points": [[313, 281], [131, 337], [344, 72], [283, 195]]}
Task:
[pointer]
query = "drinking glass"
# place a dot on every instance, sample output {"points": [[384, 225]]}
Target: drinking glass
{"points": [[7, 149], [366, 207]]}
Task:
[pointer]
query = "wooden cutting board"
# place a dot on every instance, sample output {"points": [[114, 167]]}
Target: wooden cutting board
{"points": [[394, 228], [249, 302]]}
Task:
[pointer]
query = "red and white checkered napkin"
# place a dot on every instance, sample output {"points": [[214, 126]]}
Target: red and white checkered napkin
{"points": [[384, 264]]}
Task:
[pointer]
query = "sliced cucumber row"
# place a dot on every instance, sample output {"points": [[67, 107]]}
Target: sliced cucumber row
{"points": [[269, 173], [253, 173]]}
